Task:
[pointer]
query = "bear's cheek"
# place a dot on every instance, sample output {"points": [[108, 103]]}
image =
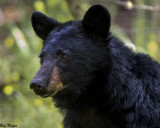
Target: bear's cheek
{"points": [[55, 83]]}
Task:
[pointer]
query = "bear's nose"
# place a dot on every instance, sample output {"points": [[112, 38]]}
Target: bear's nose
{"points": [[37, 86]]}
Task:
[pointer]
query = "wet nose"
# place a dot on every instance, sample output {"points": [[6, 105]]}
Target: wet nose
{"points": [[37, 85]]}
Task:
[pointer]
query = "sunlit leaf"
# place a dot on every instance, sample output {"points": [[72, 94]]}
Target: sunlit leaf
{"points": [[60, 126], [8, 90], [8, 42], [129, 4], [39, 5], [152, 48], [38, 102]]}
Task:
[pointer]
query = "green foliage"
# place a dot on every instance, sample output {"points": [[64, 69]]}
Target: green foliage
{"points": [[27, 113], [20, 105], [18, 64]]}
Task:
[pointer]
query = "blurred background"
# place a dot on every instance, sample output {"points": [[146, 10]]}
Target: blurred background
{"points": [[136, 22]]}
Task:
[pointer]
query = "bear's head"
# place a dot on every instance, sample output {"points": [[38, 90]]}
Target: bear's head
{"points": [[72, 55]]}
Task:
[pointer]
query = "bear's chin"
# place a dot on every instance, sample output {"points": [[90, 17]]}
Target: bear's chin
{"points": [[48, 95]]}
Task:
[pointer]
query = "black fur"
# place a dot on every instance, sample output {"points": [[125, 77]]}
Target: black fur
{"points": [[106, 85]]}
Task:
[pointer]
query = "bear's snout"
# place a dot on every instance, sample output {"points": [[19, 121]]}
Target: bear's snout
{"points": [[38, 86]]}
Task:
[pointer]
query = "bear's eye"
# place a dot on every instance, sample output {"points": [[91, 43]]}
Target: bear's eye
{"points": [[62, 54]]}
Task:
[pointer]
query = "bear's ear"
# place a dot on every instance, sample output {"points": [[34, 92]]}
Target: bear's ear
{"points": [[42, 24], [96, 21]]}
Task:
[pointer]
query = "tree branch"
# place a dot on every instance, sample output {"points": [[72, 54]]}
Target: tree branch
{"points": [[145, 7], [74, 8]]}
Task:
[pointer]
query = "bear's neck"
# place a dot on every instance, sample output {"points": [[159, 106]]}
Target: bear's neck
{"points": [[103, 92], [102, 97], [87, 117]]}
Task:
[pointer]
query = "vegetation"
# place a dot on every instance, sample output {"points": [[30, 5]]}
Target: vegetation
{"points": [[19, 49]]}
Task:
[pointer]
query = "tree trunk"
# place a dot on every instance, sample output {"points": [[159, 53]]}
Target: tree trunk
{"points": [[125, 17], [74, 8]]}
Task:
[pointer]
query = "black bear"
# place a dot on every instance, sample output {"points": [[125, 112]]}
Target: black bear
{"points": [[96, 80]]}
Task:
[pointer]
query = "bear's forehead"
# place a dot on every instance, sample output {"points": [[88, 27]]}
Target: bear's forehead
{"points": [[64, 36], [64, 31], [57, 34]]}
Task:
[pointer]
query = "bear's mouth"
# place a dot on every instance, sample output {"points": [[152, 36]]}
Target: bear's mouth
{"points": [[48, 95], [50, 91]]}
